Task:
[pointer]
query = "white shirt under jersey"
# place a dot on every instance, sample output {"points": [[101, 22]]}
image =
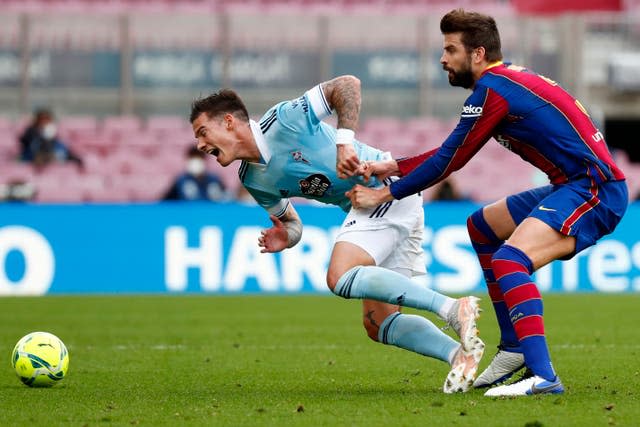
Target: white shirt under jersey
{"points": [[298, 153]]}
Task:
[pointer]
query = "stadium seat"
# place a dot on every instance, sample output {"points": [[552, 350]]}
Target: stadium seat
{"points": [[16, 171], [115, 125], [167, 124], [78, 123]]}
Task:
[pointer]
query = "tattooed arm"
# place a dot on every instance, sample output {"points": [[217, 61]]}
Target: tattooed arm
{"points": [[285, 232], [343, 96]]}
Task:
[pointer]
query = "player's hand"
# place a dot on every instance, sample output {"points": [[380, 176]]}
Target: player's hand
{"points": [[365, 198], [380, 169], [347, 162], [274, 239]]}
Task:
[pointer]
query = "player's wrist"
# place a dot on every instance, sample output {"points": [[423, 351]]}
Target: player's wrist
{"points": [[344, 136]]}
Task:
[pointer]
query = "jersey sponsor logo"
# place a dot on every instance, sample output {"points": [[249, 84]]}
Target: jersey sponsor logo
{"points": [[314, 185], [471, 111], [298, 157]]}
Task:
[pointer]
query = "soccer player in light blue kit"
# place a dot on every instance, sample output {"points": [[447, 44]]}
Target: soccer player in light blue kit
{"points": [[291, 152]]}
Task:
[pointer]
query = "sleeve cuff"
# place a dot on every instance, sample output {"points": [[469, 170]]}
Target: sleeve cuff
{"points": [[318, 103]]}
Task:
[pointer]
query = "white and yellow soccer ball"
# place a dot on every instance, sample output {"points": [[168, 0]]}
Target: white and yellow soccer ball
{"points": [[40, 359]]}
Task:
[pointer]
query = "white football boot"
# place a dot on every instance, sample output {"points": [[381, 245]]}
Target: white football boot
{"points": [[463, 368], [528, 386], [502, 367], [462, 319]]}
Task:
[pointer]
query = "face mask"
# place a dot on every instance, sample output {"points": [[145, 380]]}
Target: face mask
{"points": [[195, 166], [49, 131]]}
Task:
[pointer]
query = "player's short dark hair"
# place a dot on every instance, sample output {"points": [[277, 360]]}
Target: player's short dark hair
{"points": [[477, 30], [219, 103]]}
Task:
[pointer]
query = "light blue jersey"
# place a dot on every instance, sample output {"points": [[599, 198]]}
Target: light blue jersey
{"points": [[298, 153]]}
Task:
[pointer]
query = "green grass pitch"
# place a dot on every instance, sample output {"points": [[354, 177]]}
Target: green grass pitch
{"points": [[299, 361]]}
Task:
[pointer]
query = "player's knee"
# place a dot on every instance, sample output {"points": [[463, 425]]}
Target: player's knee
{"points": [[337, 277], [478, 228], [332, 278]]}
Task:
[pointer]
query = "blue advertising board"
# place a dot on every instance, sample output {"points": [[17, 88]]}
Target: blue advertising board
{"points": [[212, 248]]}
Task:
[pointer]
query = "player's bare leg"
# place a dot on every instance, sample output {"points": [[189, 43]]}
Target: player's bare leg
{"points": [[374, 313]]}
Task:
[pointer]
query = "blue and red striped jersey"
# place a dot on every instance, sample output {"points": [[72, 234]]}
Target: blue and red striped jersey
{"points": [[529, 115]]}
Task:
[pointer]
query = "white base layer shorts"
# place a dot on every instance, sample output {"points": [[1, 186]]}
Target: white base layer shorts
{"points": [[391, 233]]}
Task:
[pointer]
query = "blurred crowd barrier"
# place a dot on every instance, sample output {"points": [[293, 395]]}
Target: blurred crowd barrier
{"points": [[154, 56], [212, 248]]}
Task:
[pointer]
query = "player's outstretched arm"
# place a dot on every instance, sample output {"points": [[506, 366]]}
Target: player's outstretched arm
{"points": [[285, 233], [343, 96]]}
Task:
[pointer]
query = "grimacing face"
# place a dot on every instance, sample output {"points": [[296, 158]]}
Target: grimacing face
{"points": [[456, 61], [215, 137]]}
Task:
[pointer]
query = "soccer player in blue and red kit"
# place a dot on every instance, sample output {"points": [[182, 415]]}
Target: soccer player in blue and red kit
{"points": [[533, 117]]}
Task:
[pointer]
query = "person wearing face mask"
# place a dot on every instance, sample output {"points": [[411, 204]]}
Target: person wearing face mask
{"points": [[196, 184], [40, 144]]}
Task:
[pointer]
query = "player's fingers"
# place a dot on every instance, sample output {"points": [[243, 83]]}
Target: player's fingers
{"points": [[353, 163]]}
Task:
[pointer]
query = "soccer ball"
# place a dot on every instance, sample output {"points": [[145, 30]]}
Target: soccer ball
{"points": [[40, 359]]}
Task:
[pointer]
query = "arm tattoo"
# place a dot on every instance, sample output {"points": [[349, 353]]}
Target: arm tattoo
{"points": [[294, 232], [293, 224], [343, 95]]}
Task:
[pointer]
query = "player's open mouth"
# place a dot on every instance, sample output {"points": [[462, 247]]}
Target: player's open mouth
{"points": [[214, 152]]}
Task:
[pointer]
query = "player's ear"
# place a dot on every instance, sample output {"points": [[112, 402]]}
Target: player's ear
{"points": [[229, 120]]}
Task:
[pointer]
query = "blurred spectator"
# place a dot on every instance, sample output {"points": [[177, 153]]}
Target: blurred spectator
{"points": [[448, 190], [40, 145], [196, 183]]}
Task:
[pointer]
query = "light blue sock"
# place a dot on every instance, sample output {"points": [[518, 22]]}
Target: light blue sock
{"points": [[381, 284], [417, 334]]}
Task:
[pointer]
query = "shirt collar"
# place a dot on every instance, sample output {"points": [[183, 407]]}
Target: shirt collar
{"points": [[493, 64], [263, 148]]}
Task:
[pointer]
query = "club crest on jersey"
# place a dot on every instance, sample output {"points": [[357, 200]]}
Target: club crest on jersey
{"points": [[314, 185], [298, 157], [471, 111], [284, 193]]}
